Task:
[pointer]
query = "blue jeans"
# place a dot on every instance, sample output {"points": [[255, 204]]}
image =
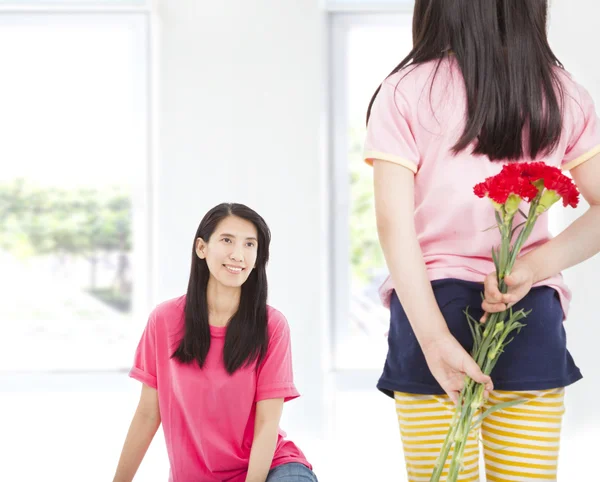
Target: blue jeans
{"points": [[292, 472]]}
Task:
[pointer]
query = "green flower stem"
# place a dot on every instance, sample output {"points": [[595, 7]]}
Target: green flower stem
{"points": [[460, 445], [506, 231], [447, 445], [488, 350], [524, 234], [487, 340], [460, 428]]}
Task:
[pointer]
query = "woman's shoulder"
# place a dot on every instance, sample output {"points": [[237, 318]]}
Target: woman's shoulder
{"points": [[168, 312], [277, 323]]}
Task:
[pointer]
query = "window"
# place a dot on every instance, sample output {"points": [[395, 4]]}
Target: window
{"points": [[73, 188], [365, 48]]}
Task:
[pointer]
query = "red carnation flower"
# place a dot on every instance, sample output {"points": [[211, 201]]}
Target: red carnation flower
{"points": [[518, 178], [555, 180], [502, 185]]}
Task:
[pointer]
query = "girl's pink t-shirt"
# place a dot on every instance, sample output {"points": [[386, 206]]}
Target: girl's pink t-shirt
{"points": [[415, 121], [207, 414]]}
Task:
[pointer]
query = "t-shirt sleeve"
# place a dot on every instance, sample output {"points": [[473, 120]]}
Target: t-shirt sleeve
{"points": [[144, 364], [584, 141], [389, 135], [275, 377]]}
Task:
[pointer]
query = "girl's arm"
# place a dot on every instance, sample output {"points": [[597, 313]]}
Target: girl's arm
{"points": [[143, 427], [579, 242], [394, 207], [266, 429]]}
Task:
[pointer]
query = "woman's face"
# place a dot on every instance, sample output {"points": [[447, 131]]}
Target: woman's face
{"points": [[231, 251]]}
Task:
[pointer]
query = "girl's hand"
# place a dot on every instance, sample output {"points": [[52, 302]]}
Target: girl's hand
{"points": [[519, 283], [449, 362]]}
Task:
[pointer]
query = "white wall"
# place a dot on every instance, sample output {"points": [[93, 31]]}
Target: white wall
{"points": [[241, 90]]}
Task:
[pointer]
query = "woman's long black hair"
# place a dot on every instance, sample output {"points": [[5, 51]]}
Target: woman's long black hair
{"points": [[246, 339], [509, 70]]}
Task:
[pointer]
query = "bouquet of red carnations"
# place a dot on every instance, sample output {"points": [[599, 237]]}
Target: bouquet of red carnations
{"points": [[540, 186]]}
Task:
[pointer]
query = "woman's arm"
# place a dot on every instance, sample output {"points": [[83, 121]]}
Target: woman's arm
{"points": [[394, 207], [266, 428], [143, 427]]}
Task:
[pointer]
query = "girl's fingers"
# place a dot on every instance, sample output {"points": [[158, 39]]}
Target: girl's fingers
{"points": [[493, 307], [453, 396], [492, 293]]}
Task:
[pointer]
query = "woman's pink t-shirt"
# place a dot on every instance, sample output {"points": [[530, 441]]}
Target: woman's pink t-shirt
{"points": [[413, 129], [207, 414]]}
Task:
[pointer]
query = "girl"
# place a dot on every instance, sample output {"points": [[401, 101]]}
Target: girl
{"points": [[216, 366], [480, 88]]}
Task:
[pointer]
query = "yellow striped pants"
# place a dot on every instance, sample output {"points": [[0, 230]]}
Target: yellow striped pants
{"points": [[520, 443]]}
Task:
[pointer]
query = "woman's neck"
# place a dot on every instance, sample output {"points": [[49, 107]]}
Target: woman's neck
{"points": [[223, 302]]}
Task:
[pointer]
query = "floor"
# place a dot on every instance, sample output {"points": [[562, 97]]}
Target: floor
{"points": [[73, 430]]}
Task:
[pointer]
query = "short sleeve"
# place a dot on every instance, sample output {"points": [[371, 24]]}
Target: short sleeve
{"points": [[275, 377], [144, 364], [584, 141], [389, 136]]}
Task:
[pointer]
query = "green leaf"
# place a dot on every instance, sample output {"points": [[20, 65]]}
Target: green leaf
{"points": [[475, 340], [498, 218], [492, 445], [495, 408], [495, 258], [475, 327], [495, 226], [515, 229]]}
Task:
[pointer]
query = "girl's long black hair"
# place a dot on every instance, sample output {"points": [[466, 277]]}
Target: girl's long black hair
{"points": [[510, 72], [246, 339]]}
